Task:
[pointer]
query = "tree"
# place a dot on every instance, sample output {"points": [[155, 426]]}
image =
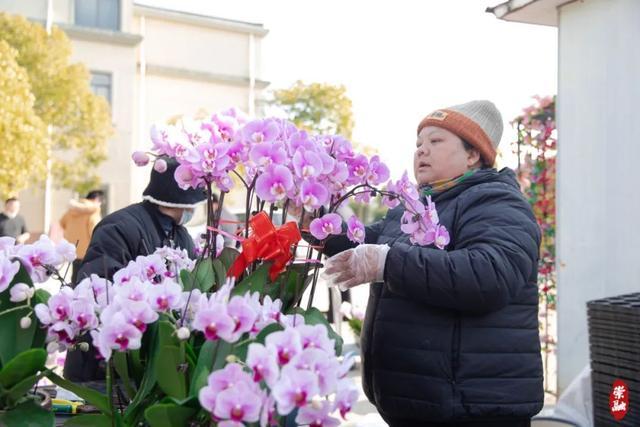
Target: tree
{"points": [[79, 121], [23, 138], [317, 107]]}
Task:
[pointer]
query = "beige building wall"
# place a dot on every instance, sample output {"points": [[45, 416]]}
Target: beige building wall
{"points": [[120, 62], [195, 47], [193, 64]]}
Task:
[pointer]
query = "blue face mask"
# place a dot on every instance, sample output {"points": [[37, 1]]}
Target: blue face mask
{"points": [[187, 215]]}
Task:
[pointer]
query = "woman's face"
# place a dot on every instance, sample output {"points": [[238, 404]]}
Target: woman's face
{"points": [[439, 155]]}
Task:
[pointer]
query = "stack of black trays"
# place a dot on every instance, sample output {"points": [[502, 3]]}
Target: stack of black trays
{"points": [[614, 342]]}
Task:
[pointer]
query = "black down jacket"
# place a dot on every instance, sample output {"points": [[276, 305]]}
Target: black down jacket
{"points": [[119, 238], [452, 335], [123, 235]]}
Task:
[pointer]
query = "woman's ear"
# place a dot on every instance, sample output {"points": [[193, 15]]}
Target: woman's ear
{"points": [[473, 158]]}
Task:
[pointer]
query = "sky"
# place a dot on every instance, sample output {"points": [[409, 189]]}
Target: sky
{"points": [[399, 60]]}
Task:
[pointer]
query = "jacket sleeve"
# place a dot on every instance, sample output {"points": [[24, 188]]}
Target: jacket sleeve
{"points": [[110, 250], [496, 253]]}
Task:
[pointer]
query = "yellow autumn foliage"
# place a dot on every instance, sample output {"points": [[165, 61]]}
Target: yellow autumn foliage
{"points": [[23, 138], [80, 121]]}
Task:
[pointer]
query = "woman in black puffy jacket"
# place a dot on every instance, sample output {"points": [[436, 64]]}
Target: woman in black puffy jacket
{"points": [[451, 336]]}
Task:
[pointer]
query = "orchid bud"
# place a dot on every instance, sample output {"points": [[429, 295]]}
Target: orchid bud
{"points": [[83, 346], [183, 333], [20, 292], [140, 158], [231, 358], [160, 165], [25, 322]]}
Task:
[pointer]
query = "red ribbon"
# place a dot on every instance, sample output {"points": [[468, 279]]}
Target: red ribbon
{"points": [[266, 243]]}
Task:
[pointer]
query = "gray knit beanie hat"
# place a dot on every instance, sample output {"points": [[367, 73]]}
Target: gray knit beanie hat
{"points": [[477, 122]]}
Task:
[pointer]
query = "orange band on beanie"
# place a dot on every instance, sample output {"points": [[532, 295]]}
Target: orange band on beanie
{"points": [[465, 128]]}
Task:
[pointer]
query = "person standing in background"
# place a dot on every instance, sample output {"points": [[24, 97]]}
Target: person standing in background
{"points": [[12, 224], [138, 229], [78, 224]]}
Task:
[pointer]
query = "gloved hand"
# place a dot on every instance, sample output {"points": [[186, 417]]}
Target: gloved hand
{"points": [[362, 264]]}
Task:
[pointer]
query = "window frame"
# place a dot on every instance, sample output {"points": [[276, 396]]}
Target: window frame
{"points": [[95, 24]]}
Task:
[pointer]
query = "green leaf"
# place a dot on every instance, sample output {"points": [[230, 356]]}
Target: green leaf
{"points": [[41, 297], [228, 257], [168, 415], [166, 334], [171, 379], [21, 389], [220, 272], [122, 368], [293, 285], [15, 339], [136, 368], [95, 398], [25, 364], [224, 350], [191, 401], [89, 420], [203, 275], [203, 366], [168, 361], [241, 351], [192, 357], [149, 379], [28, 414], [213, 355], [313, 316], [269, 329], [255, 282], [186, 279]]}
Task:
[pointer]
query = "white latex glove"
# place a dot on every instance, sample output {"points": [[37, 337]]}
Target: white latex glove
{"points": [[362, 264]]}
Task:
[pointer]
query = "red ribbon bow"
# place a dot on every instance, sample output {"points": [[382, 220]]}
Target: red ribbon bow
{"points": [[266, 243]]}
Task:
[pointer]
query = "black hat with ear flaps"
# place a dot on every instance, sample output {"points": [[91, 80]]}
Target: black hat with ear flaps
{"points": [[163, 189]]}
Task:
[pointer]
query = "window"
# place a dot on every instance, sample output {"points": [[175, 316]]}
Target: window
{"points": [[101, 85], [98, 14]]}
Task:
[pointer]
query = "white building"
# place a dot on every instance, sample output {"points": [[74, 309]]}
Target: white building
{"points": [[598, 237], [152, 65]]}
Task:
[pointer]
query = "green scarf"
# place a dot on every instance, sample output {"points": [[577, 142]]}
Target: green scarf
{"points": [[441, 186]]}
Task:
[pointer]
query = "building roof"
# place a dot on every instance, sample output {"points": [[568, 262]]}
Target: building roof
{"points": [[202, 20], [541, 12]]}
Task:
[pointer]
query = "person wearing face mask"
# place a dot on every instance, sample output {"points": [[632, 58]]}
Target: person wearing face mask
{"points": [[450, 337], [139, 229]]}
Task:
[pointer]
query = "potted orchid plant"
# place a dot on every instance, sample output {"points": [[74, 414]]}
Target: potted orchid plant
{"points": [[22, 353], [222, 340]]}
